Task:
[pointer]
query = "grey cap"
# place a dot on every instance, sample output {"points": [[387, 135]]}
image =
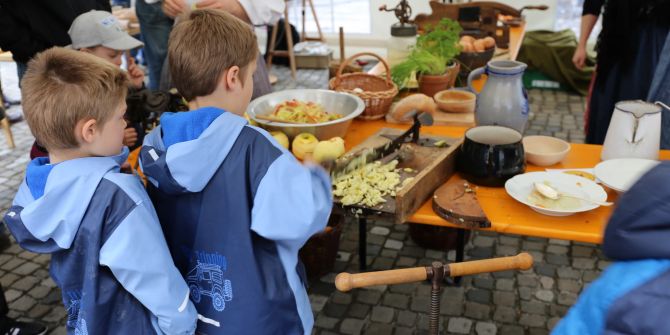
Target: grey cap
{"points": [[100, 28]]}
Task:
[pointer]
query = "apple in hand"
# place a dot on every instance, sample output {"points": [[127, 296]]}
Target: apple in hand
{"points": [[304, 144], [328, 150], [281, 138]]}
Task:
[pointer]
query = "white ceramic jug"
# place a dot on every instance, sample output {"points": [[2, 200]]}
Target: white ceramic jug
{"points": [[634, 131]]}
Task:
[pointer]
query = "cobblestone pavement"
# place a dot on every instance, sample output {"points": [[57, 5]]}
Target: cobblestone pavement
{"points": [[528, 302]]}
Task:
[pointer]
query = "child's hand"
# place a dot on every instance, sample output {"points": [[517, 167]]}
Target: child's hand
{"points": [[129, 136], [231, 6], [326, 165], [225, 5], [135, 74]]}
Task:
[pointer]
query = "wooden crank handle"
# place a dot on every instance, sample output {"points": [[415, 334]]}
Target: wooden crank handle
{"points": [[347, 281], [522, 261]]}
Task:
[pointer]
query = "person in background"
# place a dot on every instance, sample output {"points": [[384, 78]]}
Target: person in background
{"points": [[156, 27], [122, 3], [255, 12], [28, 27], [629, 48], [631, 295]]}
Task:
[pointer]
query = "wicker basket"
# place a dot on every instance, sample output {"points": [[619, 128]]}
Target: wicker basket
{"points": [[335, 65], [320, 252], [472, 60], [376, 92]]}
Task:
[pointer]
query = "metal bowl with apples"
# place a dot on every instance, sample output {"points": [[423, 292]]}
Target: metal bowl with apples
{"points": [[347, 105]]}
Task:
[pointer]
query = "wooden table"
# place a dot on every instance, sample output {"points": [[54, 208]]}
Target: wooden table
{"points": [[361, 130], [505, 214]]}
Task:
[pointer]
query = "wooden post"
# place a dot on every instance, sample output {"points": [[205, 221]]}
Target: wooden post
{"points": [[289, 40], [342, 44], [273, 41], [303, 35], [316, 20]]}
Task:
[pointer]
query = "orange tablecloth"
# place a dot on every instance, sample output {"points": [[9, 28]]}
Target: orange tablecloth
{"points": [[506, 214]]}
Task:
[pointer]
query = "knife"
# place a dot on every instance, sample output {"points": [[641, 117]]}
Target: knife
{"points": [[372, 154]]}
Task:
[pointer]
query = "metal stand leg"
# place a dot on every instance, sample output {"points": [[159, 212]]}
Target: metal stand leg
{"points": [[362, 243], [435, 290], [460, 249]]}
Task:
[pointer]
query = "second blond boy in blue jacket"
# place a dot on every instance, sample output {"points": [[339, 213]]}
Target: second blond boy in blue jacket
{"points": [[235, 206]]}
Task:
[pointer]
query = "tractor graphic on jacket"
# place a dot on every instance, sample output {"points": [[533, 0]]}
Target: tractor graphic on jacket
{"points": [[207, 280]]}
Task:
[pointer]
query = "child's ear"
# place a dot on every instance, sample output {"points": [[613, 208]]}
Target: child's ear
{"points": [[88, 130], [232, 77]]}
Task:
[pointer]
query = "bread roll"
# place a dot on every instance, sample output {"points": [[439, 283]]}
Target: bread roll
{"points": [[490, 42], [480, 45], [468, 39], [419, 102], [466, 46]]}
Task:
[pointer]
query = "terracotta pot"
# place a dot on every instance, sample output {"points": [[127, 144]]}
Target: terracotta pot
{"points": [[431, 84]]}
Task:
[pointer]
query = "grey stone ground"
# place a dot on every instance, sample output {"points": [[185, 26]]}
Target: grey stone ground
{"points": [[528, 302]]}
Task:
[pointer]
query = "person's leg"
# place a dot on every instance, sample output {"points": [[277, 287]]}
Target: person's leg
{"points": [[122, 3], [4, 308], [156, 29], [21, 69], [262, 84], [12, 327]]}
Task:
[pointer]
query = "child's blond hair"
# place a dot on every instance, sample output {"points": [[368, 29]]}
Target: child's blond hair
{"points": [[203, 45], [63, 87]]}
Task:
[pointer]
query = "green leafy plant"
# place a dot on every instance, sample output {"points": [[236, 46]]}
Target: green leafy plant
{"points": [[419, 61], [434, 50], [442, 39]]}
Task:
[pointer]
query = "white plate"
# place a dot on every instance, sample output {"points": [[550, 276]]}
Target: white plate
{"points": [[520, 186], [620, 174]]}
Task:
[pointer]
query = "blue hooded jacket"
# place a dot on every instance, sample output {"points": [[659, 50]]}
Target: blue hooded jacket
{"points": [[236, 207], [108, 254], [632, 295]]}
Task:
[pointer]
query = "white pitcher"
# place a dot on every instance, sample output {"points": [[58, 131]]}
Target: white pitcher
{"points": [[634, 131]]}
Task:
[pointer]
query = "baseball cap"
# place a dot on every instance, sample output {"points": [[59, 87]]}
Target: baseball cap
{"points": [[100, 28]]}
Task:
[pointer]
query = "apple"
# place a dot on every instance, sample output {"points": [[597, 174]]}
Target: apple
{"points": [[304, 144], [281, 138], [329, 150]]}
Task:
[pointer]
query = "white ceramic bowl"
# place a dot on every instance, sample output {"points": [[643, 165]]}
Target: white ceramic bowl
{"points": [[520, 186], [545, 150], [349, 105], [621, 173]]}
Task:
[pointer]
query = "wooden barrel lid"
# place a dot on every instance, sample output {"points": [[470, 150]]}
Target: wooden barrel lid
{"points": [[456, 201]]}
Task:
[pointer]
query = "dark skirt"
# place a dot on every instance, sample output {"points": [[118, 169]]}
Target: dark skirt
{"points": [[624, 82]]}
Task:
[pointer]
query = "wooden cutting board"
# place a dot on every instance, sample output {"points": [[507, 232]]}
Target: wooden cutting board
{"points": [[429, 167], [444, 119], [456, 201]]}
